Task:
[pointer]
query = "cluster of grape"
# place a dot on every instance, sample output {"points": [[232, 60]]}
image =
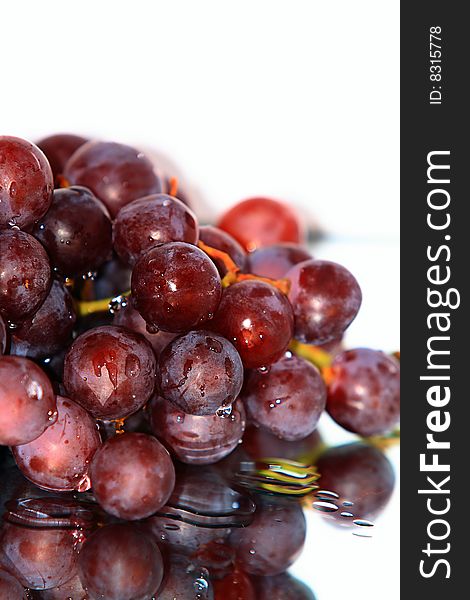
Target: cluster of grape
{"points": [[214, 331]]}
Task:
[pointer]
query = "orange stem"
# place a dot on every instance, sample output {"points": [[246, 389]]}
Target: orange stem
{"points": [[173, 187]]}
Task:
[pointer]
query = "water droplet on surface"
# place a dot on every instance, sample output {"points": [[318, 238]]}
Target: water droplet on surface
{"points": [[224, 411], [363, 523], [323, 506], [347, 514], [132, 368], [348, 503], [327, 494], [263, 370], [116, 303]]}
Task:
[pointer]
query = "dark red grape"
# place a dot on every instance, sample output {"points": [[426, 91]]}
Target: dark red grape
{"points": [[200, 372], [121, 562], [26, 183], [3, 336], [10, 587], [40, 558], [59, 459], [70, 590], [234, 586], [258, 319], [364, 391], [260, 443], [360, 474], [132, 476], [281, 587], [273, 540], [27, 401], [184, 580], [176, 287], [325, 297], [50, 329], [110, 371], [128, 317], [274, 261], [76, 231], [59, 148], [116, 173], [258, 222], [112, 279], [25, 275], [197, 440], [150, 221], [221, 240], [288, 400]]}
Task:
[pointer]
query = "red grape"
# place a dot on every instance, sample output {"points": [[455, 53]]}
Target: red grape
{"points": [[59, 148], [288, 400], [50, 329], [197, 440], [59, 459], [325, 297], [234, 586], [260, 443], [200, 372], [26, 183], [176, 287], [150, 221], [110, 371], [185, 581], [221, 240], [364, 391], [10, 587], [27, 401], [76, 231], [25, 275], [70, 590], [258, 319], [132, 476], [3, 336], [281, 587], [121, 562], [258, 222], [116, 173], [274, 261]]}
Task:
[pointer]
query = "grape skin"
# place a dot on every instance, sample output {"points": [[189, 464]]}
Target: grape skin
{"points": [[58, 460], [200, 372], [27, 401], [10, 587], [3, 336], [59, 148], [276, 260]]}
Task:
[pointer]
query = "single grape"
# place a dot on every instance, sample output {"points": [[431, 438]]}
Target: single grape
{"points": [[10, 587], [110, 371], [288, 400], [258, 222], [27, 401], [236, 585], [200, 372], [70, 590], [282, 587], [113, 278], [175, 287], [259, 443], [150, 221], [193, 439], [50, 329], [274, 261], [360, 474], [185, 580], [221, 240], [132, 476], [59, 148], [121, 562], [26, 183], [116, 173], [273, 540], [128, 317], [364, 391], [40, 558], [3, 336], [76, 231], [258, 319], [25, 275], [325, 297], [59, 459]]}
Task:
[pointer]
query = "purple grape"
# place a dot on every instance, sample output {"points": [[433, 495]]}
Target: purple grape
{"points": [[76, 231], [117, 174], [258, 319], [110, 371], [3, 336], [25, 275], [176, 287], [26, 183], [193, 439], [132, 476], [50, 329], [10, 587], [281, 587], [121, 562], [59, 459], [275, 261], [259, 442], [364, 391], [200, 372], [221, 240], [185, 580], [150, 221], [325, 297], [288, 400], [59, 148], [112, 279], [27, 401]]}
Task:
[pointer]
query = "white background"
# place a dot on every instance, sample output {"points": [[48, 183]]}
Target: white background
{"points": [[298, 100]]}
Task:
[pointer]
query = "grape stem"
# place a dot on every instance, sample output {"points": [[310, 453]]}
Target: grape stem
{"points": [[89, 307], [313, 354]]}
